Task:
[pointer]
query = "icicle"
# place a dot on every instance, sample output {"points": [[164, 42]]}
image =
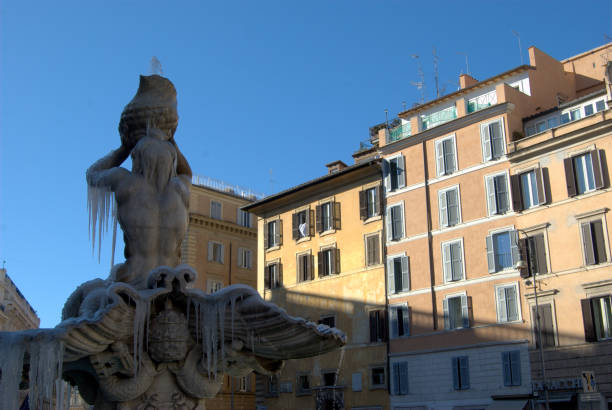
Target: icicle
{"points": [[11, 357], [141, 319], [222, 330], [101, 205], [114, 233]]}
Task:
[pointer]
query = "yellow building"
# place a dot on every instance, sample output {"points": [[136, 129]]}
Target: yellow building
{"points": [[15, 311], [320, 257], [221, 245], [460, 324]]}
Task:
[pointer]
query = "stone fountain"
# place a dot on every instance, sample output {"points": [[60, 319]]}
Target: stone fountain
{"points": [[144, 338]]}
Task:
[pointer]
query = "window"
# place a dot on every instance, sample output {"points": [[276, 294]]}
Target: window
{"points": [[546, 324], [215, 252], [571, 115], [378, 328], [328, 216], [244, 218], [329, 378], [400, 378], [245, 258], [273, 386], [377, 377], [399, 321], [511, 362], [600, 105], [497, 194], [398, 274], [461, 372], [244, 383], [527, 189], [456, 312], [395, 222], [502, 250], [369, 203], [394, 173], [304, 264], [446, 156], [372, 251], [601, 309], [401, 131], [356, 384], [448, 205], [508, 309], [583, 173], [593, 242], [437, 118], [588, 110], [273, 234], [533, 252], [272, 278], [215, 210], [302, 384], [329, 320], [452, 260], [213, 285], [492, 137], [328, 260], [301, 224]]}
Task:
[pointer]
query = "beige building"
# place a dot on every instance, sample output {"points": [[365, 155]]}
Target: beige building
{"points": [[454, 170], [320, 257], [221, 245], [15, 311]]}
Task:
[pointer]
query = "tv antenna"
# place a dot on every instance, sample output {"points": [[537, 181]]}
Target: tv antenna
{"points": [[403, 105], [467, 64], [435, 64], [519, 44], [387, 117], [420, 85], [155, 66], [272, 181]]}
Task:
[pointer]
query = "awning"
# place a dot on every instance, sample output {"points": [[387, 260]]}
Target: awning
{"points": [[507, 405]]}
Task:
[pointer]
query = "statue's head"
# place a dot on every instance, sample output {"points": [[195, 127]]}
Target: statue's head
{"points": [[154, 104], [154, 159]]}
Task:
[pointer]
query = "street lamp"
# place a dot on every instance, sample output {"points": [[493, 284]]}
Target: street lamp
{"points": [[522, 264]]}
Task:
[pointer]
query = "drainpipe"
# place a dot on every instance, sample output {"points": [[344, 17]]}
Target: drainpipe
{"points": [[432, 276]]}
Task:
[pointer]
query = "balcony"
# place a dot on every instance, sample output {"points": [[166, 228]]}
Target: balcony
{"points": [[329, 397], [482, 101], [437, 118], [397, 133]]}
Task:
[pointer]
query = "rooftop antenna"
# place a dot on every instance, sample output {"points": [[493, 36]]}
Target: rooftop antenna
{"points": [[403, 105], [435, 64], [155, 66], [519, 44], [272, 181], [420, 85], [467, 65], [387, 117]]}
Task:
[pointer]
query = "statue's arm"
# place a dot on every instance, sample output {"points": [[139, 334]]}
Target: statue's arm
{"points": [[106, 172]]}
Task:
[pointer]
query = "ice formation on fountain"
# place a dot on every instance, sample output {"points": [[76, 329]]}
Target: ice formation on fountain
{"points": [[144, 337]]}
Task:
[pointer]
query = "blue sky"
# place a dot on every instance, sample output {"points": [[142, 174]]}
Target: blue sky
{"points": [[268, 93]]}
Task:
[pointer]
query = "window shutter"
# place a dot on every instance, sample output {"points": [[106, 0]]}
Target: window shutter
{"points": [[502, 312], [390, 276], [490, 254], [439, 158], [294, 225], [210, 251], [336, 215], [491, 202], [406, 321], [455, 364], [514, 247], [447, 262], [456, 260], [279, 267], [465, 312], [393, 322], [501, 188], [310, 266], [464, 371], [309, 219], [267, 277], [446, 316], [386, 174], [540, 186], [240, 257], [525, 257], [222, 252], [515, 186], [376, 247], [321, 265], [401, 172], [404, 378], [597, 170], [389, 223], [540, 256], [373, 326], [279, 233], [452, 202], [335, 257], [443, 209], [587, 243], [319, 219], [379, 200], [570, 178], [486, 142], [515, 363], [405, 274], [449, 156], [599, 245], [398, 222], [301, 269], [382, 320], [363, 205], [265, 235], [587, 320], [548, 331], [497, 139], [396, 379], [507, 369], [512, 303]]}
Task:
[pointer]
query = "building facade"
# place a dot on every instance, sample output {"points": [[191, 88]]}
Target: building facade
{"points": [[15, 311], [221, 245], [321, 258]]}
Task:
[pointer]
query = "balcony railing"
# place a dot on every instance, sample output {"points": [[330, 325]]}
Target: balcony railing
{"points": [[438, 117], [329, 397], [482, 101], [223, 186], [399, 132]]}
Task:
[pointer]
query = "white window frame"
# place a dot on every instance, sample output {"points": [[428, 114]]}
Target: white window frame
{"points": [[366, 248], [375, 204], [500, 230], [275, 282], [606, 331], [484, 125], [406, 322], [589, 188], [442, 192], [245, 258], [213, 203], [589, 217], [464, 309], [500, 316], [401, 176], [211, 252], [443, 245], [389, 221], [441, 160], [533, 184], [390, 271], [276, 223], [491, 177]]}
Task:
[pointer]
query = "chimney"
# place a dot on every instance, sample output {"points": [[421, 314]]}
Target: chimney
{"points": [[335, 166], [466, 80]]}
